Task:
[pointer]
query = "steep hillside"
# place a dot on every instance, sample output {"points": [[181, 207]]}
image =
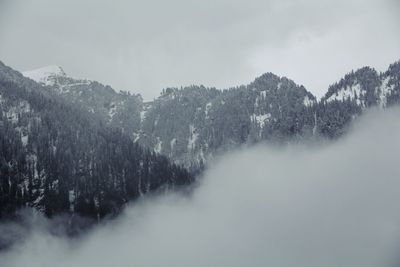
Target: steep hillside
{"points": [[57, 157]]}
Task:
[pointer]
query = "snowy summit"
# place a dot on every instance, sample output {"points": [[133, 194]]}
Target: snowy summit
{"points": [[46, 75]]}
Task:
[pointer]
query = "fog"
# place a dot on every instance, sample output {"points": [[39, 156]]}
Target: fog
{"points": [[335, 204]]}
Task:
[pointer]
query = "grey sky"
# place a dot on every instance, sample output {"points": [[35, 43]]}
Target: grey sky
{"points": [[144, 46]]}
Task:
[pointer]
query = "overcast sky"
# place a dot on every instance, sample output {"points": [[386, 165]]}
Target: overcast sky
{"points": [[144, 46]]}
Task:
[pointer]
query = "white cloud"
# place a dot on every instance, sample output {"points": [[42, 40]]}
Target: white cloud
{"points": [[332, 205]]}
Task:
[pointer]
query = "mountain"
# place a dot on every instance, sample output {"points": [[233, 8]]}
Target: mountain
{"points": [[367, 87], [73, 145], [353, 94], [58, 157], [192, 124]]}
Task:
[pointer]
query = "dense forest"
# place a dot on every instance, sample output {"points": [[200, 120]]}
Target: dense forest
{"points": [[59, 158], [79, 147]]}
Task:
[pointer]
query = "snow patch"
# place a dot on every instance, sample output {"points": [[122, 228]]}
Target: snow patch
{"points": [[207, 110], [308, 102], [136, 137], [384, 91], [113, 110], [142, 115], [172, 144], [24, 140], [193, 136], [314, 130], [158, 146], [66, 88], [145, 108], [71, 198], [259, 98], [261, 120], [350, 92]]}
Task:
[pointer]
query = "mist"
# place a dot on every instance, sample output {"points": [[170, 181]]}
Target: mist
{"points": [[335, 204]]}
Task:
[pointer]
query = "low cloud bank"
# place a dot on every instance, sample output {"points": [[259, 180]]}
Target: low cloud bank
{"points": [[332, 205]]}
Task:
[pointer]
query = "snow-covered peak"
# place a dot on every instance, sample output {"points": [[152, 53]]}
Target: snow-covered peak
{"points": [[46, 75]]}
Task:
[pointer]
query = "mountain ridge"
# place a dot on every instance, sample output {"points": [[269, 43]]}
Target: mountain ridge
{"points": [[192, 124]]}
